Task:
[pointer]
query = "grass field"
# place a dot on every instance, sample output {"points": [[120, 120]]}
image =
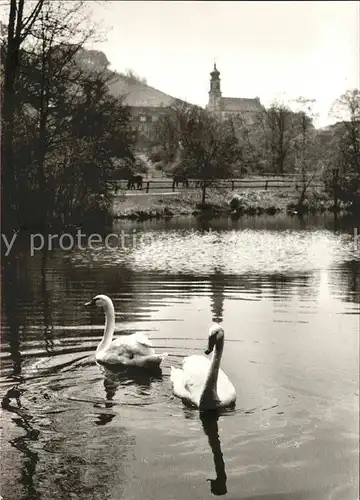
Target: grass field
{"points": [[157, 198], [184, 201]]}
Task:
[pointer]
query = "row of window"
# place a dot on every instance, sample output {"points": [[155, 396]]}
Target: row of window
{"points": [[148, 118]]}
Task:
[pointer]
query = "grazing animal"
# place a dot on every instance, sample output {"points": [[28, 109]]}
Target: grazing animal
{"points": [[201, 382], [129, 350], [136, 181], [180, 179]]}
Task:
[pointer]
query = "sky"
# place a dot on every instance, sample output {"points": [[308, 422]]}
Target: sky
{"points": [[273, 50]]}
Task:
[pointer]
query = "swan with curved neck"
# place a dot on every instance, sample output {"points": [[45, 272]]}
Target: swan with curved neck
{"points": [[129, 350], [201, 382]]}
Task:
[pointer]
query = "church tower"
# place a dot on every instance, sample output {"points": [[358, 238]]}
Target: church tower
{"points": [[215, 92]]}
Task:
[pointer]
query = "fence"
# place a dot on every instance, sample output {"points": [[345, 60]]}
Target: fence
{"points": [[258, 182]]}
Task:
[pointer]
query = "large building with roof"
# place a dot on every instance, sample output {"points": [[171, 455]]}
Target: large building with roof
{"points": [[146, 103], [227, 107]]}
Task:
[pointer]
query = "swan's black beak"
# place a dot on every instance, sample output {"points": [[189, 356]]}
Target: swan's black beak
{"points": [[211, 344], [91, 303]]}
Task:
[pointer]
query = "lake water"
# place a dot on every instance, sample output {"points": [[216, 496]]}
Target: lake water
{"points": [[287, 294]]}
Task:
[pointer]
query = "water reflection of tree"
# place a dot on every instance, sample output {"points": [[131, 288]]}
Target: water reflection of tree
{"points": [[50, 285], [346, 280], [89, 463], [11, 402], [47, 312], [11, 316], [26, 301], [209, 422], [116, 376], [217, 287], [17, 292], [86, 281], [280, 286], [86, 463], [59, 288], [283, 285], [12, 320]]}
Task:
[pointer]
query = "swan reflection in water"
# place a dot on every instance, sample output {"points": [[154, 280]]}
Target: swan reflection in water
{"points": [[142, 380], [115, 377], [209, 420]]}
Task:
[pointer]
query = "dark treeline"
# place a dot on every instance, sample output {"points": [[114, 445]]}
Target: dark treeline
{"points": [[63, 135]]}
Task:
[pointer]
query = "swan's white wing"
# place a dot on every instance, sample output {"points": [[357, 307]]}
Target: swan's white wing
{"points": [[177, 380], [142, 339], [225, 389], [131, 350], [196, 369], [188, 383], [136, 344]]}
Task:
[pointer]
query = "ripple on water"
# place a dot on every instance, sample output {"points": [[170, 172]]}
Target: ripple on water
{"points": [[231, 252], [287, 352]]}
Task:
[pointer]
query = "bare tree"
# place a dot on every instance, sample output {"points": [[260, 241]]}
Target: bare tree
{"points": [[278, 125], [307, 163], [208, 146], [250, 137], [131, 75], [345, 149], [58, 23], [210, 150], [347, 110], [175, 124], [18, 29], [54, 32]]}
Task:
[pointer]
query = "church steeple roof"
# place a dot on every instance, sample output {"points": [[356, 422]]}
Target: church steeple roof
{"points": [[215, 72]]}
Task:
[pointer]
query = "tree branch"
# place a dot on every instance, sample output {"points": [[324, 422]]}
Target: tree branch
{"points": [[29, 22]]}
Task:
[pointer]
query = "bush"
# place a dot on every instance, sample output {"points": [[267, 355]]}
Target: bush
{"points": [[235, 202], [156, 156], [159, 166], [140, 166]]}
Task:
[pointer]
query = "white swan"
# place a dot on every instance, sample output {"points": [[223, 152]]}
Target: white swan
{"points": [[200, 382], [130, 350]]}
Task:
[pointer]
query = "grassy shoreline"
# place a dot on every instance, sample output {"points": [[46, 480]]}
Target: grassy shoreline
{"points": [[138, 206]]}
